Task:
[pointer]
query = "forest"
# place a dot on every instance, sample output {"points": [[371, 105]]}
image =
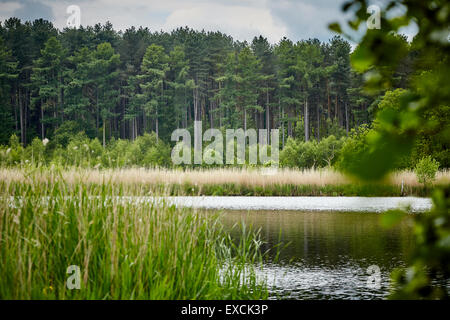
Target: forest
{"points": [[77, 85]]}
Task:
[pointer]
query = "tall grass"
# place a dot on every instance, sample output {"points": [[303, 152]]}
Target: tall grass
{"points": [[283, 182], [125, 250]]}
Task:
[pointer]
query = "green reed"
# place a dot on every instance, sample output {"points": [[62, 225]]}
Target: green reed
{"points": [[125, 249]]}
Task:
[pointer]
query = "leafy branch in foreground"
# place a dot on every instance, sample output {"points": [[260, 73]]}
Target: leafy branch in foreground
{"points": [[429, 273], [378, 56]]}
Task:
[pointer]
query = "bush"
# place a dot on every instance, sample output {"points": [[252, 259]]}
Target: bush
{"points": [[311, 154], [81, 151], [353, 150], [426, 170]]}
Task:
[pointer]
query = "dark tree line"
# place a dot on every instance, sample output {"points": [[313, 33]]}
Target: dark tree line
{"points": [[123, 84]]}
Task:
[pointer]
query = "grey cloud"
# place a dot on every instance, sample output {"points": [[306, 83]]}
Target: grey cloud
{"points": [[302, 19], [307, 19], [31, 10]]}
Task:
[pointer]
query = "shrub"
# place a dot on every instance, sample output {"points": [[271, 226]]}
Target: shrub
{"points": [[426, 170], [311, 154], [354, 149], [289, 154]]}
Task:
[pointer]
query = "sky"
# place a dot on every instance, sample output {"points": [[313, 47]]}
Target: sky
{"points": [[242, 19]]}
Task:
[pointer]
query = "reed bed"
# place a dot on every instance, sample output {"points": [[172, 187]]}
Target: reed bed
{"points": [[229, 181], [124, 250], [247, 177]]}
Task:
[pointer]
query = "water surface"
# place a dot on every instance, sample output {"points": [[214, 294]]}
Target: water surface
{"points": [[328, 253]]}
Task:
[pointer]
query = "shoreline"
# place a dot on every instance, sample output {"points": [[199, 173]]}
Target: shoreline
{"points": [[307, 204]]}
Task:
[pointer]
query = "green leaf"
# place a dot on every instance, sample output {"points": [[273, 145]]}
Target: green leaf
{"points": [[362, 59], [335, 27]]}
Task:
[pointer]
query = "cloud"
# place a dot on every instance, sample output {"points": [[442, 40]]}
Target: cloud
{"points": [[241, 22], [122, 14], [25, 10], [8, 9], [242, 19], [308, 18]]}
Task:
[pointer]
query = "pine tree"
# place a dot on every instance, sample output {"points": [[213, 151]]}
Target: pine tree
{"points": [[104, 66], [340, 77], [264, 52], [309, 71], [248, 76], [288, 87], [47, 78], [180, 84], [79, 91], [8, 73], [154, 70]]}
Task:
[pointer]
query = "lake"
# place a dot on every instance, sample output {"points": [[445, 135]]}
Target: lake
{"points": [[328, 242], [327, 253], [331, 241]]}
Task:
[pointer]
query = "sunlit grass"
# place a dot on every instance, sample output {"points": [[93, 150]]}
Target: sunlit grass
{"points": [[228, 181]]}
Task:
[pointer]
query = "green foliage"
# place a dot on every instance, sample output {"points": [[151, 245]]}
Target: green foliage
{"points": [[434, 141], [429, 269], [311, 154], [123, 84], [332, 128], [8, 73], [46, 77], [354, 150], [149, 151], [80, 151], [426, 170], [66, 132], [154, 68], [12, 155], [380, 55]]}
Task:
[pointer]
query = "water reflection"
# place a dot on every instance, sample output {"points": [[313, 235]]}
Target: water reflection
{"points": [[328, 252]]}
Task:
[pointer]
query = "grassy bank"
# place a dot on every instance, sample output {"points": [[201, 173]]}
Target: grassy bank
{"points": [[232, 182], [124, 250]]}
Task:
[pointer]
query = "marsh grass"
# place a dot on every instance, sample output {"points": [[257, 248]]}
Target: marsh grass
{"points": [[125, 250], [231, 182]]}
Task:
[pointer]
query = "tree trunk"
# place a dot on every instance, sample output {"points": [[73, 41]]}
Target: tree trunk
{"points": [[346, 118], [336, 107], [144, 122], [267, 114], [15, 99], [194, 97], [42, 122], [104, 133], [211, 118], [289, 127], [96, 111], [157, 124], [22, 137], [281, 122], [329, 100], [245, 119], [306, 120], [318, 121]]}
